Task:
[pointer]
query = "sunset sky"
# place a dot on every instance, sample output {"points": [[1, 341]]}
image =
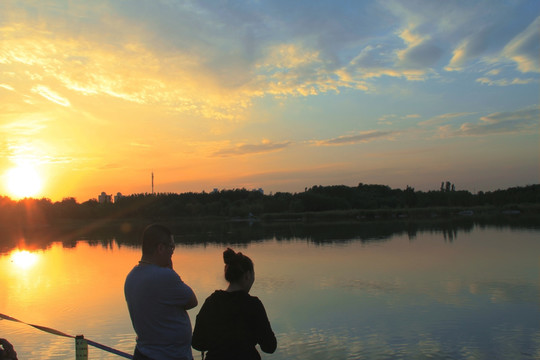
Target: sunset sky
{"points": [[279, 95]]}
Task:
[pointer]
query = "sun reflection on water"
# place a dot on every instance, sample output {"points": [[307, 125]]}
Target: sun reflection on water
{"points": [[24, 259]]}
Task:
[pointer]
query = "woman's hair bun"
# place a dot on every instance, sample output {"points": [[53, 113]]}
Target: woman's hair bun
{"points": [[236, 264], [228, 256]]}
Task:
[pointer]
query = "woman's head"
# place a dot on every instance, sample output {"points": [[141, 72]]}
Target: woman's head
{"points": [[237, 265]]}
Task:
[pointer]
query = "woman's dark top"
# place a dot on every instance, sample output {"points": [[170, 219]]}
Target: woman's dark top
{"points": [[230, 324]]}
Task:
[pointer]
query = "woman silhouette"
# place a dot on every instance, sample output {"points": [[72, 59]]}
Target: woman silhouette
{"points": [[231, 322]]}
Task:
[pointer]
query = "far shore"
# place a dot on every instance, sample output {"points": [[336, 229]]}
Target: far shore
{"points": [[353, 215], [318, 227]]}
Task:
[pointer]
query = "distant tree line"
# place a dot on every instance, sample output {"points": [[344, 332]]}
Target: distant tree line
{"points": [[243, 203]]}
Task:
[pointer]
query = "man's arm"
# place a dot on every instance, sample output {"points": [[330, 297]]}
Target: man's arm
{"points": [[181, 293], [192, 302]]}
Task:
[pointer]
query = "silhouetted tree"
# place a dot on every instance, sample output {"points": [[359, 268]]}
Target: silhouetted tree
{"points": [[242, 203]]}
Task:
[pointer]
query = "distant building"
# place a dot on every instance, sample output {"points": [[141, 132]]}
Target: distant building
{"points": [[104, 198], [117, 197]]}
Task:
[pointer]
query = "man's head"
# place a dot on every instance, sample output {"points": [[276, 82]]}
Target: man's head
{"points": [[157, 245]]}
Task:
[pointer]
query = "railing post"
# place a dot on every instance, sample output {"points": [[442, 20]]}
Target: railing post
{"points": [[81, 348]]}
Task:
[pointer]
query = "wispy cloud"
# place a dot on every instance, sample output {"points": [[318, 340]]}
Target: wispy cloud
{"points": [[525, 120], [50, 95], [443, 118], [18, 151], [492, 44], [110, 166], [390, 119], [524, 49], [139, 144], [505, 82], [7, 87], [248, 149], [133, 72], [421, 51], [289, 69], [23, 126], [183, 48], [362, 137]]}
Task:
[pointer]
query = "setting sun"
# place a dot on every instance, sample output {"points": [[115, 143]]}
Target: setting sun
{"points": [[23, 181]]}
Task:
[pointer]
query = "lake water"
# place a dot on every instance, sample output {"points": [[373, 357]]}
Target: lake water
{"points": [[344, 291]]}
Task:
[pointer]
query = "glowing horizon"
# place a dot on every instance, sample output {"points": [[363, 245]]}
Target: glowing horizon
{"points": [[276, 96]]}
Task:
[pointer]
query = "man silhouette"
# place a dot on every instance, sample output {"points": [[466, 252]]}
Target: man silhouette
{"points": [[158, 300]]}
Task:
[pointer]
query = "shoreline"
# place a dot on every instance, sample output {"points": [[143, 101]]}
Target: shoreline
{"points": [[310, 225]]}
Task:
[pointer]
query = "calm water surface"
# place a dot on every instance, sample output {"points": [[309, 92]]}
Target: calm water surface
{"points": [[470, 294]]}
